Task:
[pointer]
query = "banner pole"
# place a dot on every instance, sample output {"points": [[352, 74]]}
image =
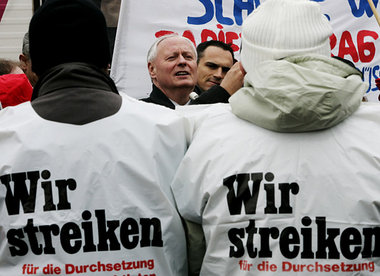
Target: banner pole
{"points": [[370, 2]]}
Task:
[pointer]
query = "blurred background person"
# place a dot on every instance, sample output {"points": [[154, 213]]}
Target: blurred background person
{"points": [[8, 66], [25, 63], [15, 87]]}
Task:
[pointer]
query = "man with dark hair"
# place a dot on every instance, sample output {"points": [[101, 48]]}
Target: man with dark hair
{"points": [[215, 59], [216, 43], [172, 65], [219, 75], [85, 173]]}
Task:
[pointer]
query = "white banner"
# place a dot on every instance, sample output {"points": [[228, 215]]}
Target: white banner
{"points": [[140, 22], [355, 37]]}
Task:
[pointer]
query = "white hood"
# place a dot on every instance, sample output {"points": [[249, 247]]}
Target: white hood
{"points": [[299, 94]]}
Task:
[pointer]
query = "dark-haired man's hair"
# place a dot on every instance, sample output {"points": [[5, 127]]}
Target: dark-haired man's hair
{"points": [[204, 45]]}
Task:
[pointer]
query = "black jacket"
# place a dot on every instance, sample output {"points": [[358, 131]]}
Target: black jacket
{"points": [[75, 93], [215, 94], [158, 97]]}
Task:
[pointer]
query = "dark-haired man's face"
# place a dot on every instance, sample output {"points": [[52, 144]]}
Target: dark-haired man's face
{"points": [[213, 66]]}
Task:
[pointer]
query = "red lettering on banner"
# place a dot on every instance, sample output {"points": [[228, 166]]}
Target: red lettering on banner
{"points": [[3, 5], [221, 36], [206, 34], [363, 49], [230, 37], [188, 34], [350, 49], [364, 52], [333, 41], [162, 33], [366, 46]]}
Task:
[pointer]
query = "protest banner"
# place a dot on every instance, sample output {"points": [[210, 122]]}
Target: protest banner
{"points": [[355, 34]]}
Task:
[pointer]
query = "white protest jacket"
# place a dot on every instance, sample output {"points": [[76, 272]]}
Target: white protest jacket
{"points": [[299, 93], [91, 199], [274, 203]]}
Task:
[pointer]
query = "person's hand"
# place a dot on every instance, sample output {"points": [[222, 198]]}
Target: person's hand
{"points": [[234, 79], [377, 81]]}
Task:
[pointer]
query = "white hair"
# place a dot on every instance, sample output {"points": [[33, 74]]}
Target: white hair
{"points": [[152, 53]]}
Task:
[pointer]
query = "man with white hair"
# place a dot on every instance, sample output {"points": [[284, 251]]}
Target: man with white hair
{"points": [[172, 65], [285, 180]]}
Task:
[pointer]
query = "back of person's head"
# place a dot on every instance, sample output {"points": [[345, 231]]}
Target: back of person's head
{"points": [[25, 45], [8, 66], [63, 31], [282, 28], [216, 43]]}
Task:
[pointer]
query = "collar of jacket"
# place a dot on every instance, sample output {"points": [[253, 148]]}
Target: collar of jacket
{"points": [[158, 97], [73, 75]]}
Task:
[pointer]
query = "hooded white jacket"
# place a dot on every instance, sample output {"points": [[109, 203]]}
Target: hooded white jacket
{"points": [[91, 199], [275, 203], [299, 93]]}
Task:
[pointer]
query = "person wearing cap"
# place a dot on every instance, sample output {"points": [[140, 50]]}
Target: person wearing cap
{"points": [[85, 173], [284, 180]]}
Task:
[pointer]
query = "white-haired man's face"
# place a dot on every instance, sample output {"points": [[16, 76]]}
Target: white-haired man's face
{"points": [[175, 64]]}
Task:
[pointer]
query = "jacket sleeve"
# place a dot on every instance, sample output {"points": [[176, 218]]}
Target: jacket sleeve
{"points": [[196, 246], [215, 94]]}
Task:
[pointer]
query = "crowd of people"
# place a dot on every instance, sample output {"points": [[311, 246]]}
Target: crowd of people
{"points": [[264, 166]]}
